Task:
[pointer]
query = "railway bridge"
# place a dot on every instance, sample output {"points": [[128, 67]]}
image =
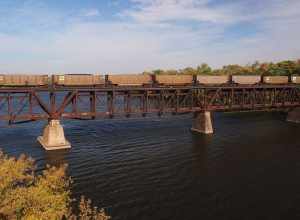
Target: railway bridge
{"points": [[26, 104]]}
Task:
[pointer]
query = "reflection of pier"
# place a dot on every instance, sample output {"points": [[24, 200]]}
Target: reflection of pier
{"points": [[56, 158], [31, 104]]}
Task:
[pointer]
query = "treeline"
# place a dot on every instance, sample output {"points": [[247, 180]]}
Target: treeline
{"points": [[283, 68]]}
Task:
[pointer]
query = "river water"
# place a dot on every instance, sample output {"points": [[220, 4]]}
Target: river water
{"points": [[155, 168]]}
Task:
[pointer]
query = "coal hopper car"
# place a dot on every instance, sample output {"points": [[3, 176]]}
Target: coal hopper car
{"points": [[174, 80], [129, 80], [78, 80], [23, 80]]}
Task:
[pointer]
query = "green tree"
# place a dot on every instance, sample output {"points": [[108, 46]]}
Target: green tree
{"points": [[287, 67], [204, 69], [297, 68], [235, 70], [189, 71]]}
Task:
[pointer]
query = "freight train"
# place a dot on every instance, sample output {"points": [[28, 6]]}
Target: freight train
{"points": [[149, 80]]}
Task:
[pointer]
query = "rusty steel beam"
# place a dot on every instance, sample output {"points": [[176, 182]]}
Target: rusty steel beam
{"points": [[41, 103], [67, 100]]}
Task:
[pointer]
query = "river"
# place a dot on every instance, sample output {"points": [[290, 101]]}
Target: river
{"points": [[156, 168]]}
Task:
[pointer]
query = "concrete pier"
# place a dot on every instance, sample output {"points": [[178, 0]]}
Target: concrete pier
{"points": [[53, 137], [202, 123], [294, 116]]}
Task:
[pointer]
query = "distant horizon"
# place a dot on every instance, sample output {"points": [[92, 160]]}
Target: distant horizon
{"points": [[133, 36]]}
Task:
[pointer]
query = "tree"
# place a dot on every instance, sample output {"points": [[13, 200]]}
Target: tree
{"points": [[297, 68], [188, 71], [25, 195], [287, 67], [204, 69], [235, 70]]}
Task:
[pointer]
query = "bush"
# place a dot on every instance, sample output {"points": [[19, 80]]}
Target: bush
{"points": [[25, 195]]}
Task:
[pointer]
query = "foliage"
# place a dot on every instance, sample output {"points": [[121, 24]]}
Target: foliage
{"points": [[25, 195], [189, 71], [87, 212], [287, 67], [204, 69]]}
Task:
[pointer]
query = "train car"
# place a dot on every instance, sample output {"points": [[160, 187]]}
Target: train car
{"points": [[276, 79], [246, 79], [130, 80], [213, 80], [295, 79], [78, 80], [174, 80], [23, 80]]}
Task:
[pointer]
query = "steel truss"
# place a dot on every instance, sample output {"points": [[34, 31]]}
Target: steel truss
{"points": [[29, 104]]}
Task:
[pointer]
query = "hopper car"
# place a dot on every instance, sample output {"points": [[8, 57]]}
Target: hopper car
{"points": [[174, 80], [129, 80], [212, 80], [275, 79], [78, 80], [23, 80]]}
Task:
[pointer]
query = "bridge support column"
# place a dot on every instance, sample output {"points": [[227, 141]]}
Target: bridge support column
{"points": [[294, 115], [53, 137], [202, 123]]}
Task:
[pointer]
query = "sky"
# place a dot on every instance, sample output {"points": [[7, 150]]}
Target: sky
{"points": [[132, 36]]}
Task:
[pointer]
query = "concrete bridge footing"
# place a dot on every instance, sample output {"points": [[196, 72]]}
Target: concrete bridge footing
{"points": [[53, 137], [202, 123], [294, 116]]}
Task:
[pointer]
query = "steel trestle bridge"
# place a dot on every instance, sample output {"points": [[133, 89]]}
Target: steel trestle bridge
{"points": [[25, 104]]}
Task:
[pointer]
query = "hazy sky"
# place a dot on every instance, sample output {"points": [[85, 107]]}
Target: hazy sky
{"points": [[129, 36]]}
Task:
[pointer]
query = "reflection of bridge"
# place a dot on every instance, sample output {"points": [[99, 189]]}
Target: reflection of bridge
{"points": [[30, 104]]}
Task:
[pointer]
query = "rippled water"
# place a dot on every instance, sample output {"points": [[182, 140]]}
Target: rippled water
{"points": [[157, 169]]}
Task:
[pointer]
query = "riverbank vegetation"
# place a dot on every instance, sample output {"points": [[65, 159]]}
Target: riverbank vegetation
{"points": [[288, 67], [26, 195]]}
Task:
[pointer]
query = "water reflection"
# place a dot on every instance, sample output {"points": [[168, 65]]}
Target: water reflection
{"points": [[56, 158]]}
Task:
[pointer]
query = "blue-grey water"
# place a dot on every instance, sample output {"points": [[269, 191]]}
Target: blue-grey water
{"points": [[156, 168]]}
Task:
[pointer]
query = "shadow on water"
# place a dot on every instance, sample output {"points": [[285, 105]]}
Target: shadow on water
{"points": [[56, 158], [200, 146]]}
